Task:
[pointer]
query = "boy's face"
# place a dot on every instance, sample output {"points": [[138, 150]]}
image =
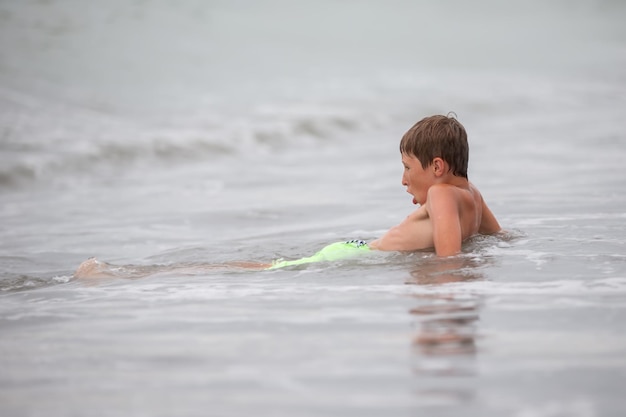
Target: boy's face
{"points": [[416, 179]]}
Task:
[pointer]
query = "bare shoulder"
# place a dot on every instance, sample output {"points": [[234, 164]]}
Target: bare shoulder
{"points": [[439, 194], [447, 197]]}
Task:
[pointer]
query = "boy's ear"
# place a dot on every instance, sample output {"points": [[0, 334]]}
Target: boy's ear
{"points": [[438, 166]]}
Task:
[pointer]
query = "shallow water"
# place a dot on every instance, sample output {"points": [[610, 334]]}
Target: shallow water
{"points": [[152, 134]]}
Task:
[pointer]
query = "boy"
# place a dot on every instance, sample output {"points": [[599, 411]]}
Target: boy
{"points": [[435, 155]]}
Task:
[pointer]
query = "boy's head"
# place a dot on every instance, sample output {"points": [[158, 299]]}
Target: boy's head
{"points": [[438, 136]]}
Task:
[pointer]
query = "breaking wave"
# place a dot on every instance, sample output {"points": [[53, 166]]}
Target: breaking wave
{"points": [[41, 140]]}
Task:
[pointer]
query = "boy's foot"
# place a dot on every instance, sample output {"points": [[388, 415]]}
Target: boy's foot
{"points": [[93, 268]]}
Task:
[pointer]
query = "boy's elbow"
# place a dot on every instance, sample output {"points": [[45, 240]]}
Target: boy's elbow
{"points": [[390, 241]]}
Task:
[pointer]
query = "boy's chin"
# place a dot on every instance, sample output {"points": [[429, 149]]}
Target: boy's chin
{"points": [[414, 200]]}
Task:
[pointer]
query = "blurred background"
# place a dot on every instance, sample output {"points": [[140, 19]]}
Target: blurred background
{"points": [[115, 112]]}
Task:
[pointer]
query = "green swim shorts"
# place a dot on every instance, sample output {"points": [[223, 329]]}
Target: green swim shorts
{"points": [[332, 252]]}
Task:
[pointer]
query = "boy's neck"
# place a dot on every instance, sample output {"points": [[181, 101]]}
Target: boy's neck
{"points": [[454, 180]]}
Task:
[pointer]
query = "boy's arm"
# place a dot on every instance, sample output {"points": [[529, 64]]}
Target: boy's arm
{"points": [[421, 229], [443, 209], [414, 233]]}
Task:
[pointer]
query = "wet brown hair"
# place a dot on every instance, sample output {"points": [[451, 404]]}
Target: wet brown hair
{"points": [[438, 136]]}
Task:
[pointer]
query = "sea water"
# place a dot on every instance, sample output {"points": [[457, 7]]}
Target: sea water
{"points": [[161, 133]]}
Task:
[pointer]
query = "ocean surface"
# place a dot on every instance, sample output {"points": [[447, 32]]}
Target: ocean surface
{"points": [[161, 133]]}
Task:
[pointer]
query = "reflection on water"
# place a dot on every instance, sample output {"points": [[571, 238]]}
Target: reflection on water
{"points": [[447, 336], [433, 270], [444, 346]]}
